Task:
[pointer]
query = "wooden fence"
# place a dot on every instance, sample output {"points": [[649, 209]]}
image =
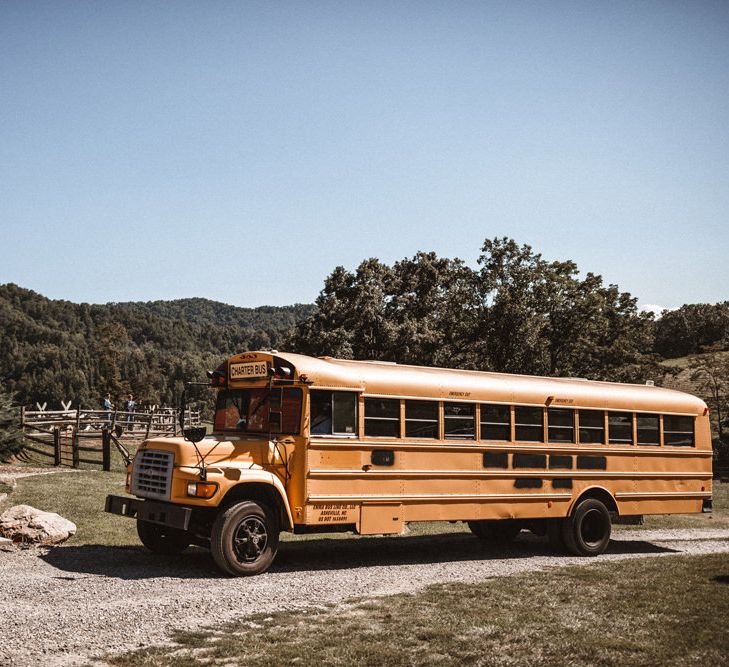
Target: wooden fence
{"points": [[71, 437]]}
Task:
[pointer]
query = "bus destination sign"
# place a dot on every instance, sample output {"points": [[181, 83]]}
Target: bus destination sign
{"points": [[257, 369]]}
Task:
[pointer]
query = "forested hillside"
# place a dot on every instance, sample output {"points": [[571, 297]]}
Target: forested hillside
{"points": [[53, 350]]}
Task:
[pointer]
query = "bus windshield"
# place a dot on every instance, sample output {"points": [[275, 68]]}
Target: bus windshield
{"points": [[260, 410]]}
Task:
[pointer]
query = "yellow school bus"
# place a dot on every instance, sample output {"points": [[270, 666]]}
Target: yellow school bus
{"points": [[308, 444]]}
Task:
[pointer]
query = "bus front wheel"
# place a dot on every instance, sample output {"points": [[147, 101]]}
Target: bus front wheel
{"points": [[244, 539], [162, 539], [586, 532]]}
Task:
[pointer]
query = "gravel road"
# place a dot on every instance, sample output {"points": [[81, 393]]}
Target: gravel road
{"points": [[70, 604]]}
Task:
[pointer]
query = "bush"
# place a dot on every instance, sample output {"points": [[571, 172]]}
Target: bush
{"points": [[11, 440]]}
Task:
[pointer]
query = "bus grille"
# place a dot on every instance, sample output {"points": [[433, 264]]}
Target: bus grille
{"points": [[152, 476]]}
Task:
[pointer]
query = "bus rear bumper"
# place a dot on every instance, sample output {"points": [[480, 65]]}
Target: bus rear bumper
{"points": [[164, 514]]}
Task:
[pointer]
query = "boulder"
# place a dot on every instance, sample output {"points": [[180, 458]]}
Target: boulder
{"points": [[28, 525]]}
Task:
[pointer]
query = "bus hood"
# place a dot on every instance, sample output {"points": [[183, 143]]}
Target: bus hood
{"points": [[217, 451]]}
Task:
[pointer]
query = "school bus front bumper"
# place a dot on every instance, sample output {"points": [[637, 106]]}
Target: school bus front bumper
{"points": [[154, 511]]}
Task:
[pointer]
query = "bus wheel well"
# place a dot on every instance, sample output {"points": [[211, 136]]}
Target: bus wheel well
{"points": [[259, 492], [598, 494]]}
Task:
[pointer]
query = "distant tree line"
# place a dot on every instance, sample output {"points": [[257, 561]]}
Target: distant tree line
{"points": [[53, 350]]}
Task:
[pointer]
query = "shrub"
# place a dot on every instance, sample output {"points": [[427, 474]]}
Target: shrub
{"points": [[11, 441]]}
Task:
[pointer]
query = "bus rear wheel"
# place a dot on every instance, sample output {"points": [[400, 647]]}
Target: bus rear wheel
{"points": [[586, 532], [244, 539], [162, 539]]}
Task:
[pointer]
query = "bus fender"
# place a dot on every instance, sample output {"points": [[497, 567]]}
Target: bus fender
{"points": [[598, 493], [252, 476]]}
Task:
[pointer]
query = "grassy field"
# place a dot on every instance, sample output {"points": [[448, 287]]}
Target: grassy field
{"points": [[683, 362], [639, 612]]}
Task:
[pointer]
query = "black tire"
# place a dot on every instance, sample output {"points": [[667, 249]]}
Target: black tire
{"points": [[503, 530], [587, 531], [162, 539], [244, 539]]}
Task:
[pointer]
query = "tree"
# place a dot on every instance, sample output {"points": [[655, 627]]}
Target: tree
{"points": [[11, 440], [517, 313], [540, 317], [710, 372], [692, 328]]}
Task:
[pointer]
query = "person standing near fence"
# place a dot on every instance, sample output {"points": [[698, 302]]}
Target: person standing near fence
{"points": [[108, 407], [129, 406]]}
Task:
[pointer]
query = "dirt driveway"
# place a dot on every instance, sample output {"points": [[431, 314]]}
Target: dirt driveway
{"points": [[70, 604]]}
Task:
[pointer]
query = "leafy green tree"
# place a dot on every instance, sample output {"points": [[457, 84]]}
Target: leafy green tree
{"points": [[517, 313], [692, 328], [11, 440], [710, 373], [541, 317]]}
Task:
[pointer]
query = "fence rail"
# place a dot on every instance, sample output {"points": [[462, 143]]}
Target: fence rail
{"points": [[71, 437]]}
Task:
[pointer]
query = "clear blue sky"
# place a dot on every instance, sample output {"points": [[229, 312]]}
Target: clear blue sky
{"points": [[239, 151]]}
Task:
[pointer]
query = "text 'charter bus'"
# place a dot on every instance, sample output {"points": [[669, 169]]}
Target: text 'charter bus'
{"points": [[307, 444]]}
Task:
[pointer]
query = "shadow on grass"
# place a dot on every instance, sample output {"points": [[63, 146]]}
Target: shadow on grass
{"points": [[315, 555]]}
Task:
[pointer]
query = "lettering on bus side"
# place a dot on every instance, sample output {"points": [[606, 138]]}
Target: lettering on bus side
{"points": [[334, 513]]}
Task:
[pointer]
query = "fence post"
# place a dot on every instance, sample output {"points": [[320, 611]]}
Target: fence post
{"points": [[74, 448], [106, 449], [22, 417], [78, 418], [149, 425], [56, 446]]}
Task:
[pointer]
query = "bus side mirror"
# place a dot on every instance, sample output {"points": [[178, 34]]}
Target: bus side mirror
{"points": [[195, 434]]}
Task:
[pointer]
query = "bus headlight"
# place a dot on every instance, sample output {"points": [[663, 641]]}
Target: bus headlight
{"points": [[201, 489]]}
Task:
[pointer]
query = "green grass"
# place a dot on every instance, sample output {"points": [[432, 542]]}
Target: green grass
{"points": [[79, 497], [638, 612], [683, 362]]}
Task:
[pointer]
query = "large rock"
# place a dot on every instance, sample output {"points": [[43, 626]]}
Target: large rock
{"points": [[28, 525]]}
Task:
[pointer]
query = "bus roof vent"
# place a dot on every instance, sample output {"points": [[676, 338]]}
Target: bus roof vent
{"points": [[650, 383]]}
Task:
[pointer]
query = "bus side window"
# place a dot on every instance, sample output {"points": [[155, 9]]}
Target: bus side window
{"points": [[561, 425], [421, 419], [495, 422], [460, 421], [678, 431], [529, 424], [592, 427], [333, 412], [649, 432], [620, 428], [382, 417]]}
